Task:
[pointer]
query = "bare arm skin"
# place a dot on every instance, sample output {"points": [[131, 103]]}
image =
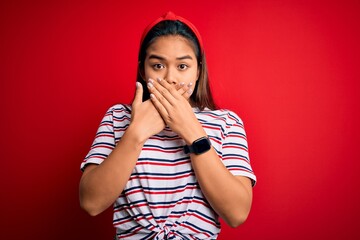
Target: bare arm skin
{"points": [[230, 196]]}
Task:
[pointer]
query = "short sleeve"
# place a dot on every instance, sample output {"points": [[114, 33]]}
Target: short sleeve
{"points": [[235, 155], [103, 143]]}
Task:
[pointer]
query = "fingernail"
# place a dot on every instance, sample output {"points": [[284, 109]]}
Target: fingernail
{"points": [[138, 84], [190, 91], [150, 80], [159, 79], [190, 84], [150, 85], [182, 84], [152, 96]]}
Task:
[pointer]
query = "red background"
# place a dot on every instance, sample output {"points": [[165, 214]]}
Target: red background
{"points": [[290, 69]]}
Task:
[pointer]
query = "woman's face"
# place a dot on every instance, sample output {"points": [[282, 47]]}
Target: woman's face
{"points": [[171, 58]]}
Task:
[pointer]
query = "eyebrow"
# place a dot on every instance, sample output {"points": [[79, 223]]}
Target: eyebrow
{"points": [[153, 56]]}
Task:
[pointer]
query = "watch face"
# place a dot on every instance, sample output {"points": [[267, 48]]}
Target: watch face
{"points": [[202, 145]]}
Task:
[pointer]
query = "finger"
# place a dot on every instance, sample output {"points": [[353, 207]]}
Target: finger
{"points": [[171, 89], [163, 95], [186, 90], [138, 95], [179, 86], [159, 107], [158, 92]]}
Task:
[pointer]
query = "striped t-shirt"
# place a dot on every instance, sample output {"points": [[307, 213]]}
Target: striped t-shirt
{"points": [[162, 198]]}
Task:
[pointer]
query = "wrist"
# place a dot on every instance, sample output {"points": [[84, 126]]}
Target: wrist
{"points": [[135, 136], [193, 135], [199, 146]]}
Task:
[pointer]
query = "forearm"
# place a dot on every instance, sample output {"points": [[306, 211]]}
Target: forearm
{"points": [[228, 195], [100, 186]]}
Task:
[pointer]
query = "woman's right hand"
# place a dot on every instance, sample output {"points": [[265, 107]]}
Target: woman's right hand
{"points": [[145, 119]]}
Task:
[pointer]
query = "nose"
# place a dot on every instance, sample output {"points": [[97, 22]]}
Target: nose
{"points": [[170, 76]]}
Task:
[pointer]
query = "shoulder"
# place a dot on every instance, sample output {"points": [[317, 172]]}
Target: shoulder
{"points": [[119, 109], [225, 115], [116, 114]]}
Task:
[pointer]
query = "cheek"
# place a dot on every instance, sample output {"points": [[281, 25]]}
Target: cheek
{"points": [[195, 74], [149, 73]]}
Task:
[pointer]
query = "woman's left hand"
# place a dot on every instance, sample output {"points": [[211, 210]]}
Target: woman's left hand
{"points": [[175, 109]]}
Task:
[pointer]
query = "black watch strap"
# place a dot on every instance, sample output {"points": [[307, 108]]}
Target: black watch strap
{"points": [[199, 146]]}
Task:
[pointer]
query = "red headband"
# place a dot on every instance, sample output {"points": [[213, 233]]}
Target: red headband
{"points": [[173, 17]]}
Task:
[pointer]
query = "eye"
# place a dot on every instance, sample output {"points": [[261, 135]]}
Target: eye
{"points": [[158, 66], [183, 66]]}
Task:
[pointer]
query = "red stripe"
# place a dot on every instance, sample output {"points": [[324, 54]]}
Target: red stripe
{"points": [[154, 192], [165, 139], [161, 150], [215, 140], [220, 118], [236, 136], [240, 169], [233, 146], [121, 120], [133, 219], [202, 218], [194, 230], [102, 124], [118, 110], [238, 125], [234, 119], [235, 158], [132, 233], [104, 135], [162, 164], [177, 216], [211, 127], [161, 178], [160, 206], [102, 146], [86, 160]]}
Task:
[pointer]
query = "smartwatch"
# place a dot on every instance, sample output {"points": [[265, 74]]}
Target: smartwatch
{"points": [[199, 146]]}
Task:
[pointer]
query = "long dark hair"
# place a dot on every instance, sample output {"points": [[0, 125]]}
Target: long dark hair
{"points": [[201, 97]]}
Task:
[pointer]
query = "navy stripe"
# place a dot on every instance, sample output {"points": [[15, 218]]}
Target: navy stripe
{"points": [[106, 122], [104, 132], [103, 144], [165, 136], [130, 217], [96, 155], [234, 155], [236, 133], [202, 230], [236, 166], [235, 144], [121, 118], [117, 128], [162, 174], [204, 216], [161, 188], [157, 203], [161, 160], [163, 148]]}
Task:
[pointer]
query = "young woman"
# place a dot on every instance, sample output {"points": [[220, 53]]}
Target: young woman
{"points": [[170, 163]]}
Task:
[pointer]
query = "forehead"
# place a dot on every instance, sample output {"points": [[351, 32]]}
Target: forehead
{"points": [[171, 46]]}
